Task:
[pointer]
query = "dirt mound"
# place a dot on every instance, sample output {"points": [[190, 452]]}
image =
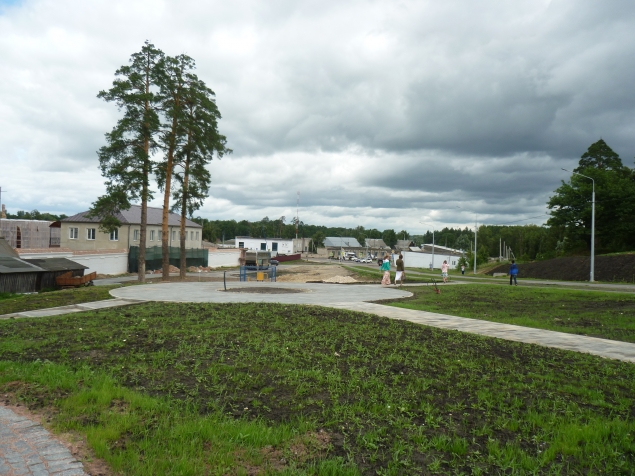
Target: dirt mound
{"points": [[619, 268]]}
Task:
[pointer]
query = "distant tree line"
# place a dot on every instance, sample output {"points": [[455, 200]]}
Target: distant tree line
{"points": [[35, 215]]}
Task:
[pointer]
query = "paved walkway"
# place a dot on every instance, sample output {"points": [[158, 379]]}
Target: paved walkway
{"points": [[28, 449], [56, 311]]}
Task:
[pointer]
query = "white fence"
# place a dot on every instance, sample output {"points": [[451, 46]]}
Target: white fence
{"points": [[223, 257], [413, 259]]}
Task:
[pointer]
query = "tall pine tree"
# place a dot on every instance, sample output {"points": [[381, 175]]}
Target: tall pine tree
{"points": [[202, 142], [126, 160], [175, 79]]}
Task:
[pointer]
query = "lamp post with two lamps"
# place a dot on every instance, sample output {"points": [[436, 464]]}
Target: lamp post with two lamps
{"points": [[591, 275]]}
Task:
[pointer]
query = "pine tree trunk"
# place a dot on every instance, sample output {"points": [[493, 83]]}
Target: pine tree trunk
{"points": [[184, 198], [166, 198], [141, 273]]}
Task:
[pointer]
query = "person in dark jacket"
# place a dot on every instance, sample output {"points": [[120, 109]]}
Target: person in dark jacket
{"points": [[513, 272]]}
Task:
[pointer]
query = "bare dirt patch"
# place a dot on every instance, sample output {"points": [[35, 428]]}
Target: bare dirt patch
{"points": [[313, 273]]}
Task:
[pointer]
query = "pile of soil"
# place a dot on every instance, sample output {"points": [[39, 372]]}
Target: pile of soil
{"points": [[618, 268], [311, 273]]}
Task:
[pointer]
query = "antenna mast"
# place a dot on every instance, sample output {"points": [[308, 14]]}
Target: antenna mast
{"points": [[297, 216]]}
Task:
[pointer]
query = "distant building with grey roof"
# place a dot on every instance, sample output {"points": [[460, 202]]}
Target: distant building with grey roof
{"points": [[80, 232]]}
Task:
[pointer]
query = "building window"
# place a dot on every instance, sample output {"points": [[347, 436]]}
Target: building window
{"points": [[197, 236], [263, 246], [191, 236], [151, 235], [135, 235], [90, 233], [160, 235], [241, 244], [274, 246], [186, 236], [114, 235], [73, 233], [173, 235]]}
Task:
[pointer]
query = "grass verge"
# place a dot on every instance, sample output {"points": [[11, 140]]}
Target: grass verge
{"points": [[606, 315], [65, 297], [218, 388], [375, 274]]}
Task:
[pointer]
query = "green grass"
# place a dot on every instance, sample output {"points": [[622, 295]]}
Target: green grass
{"points": [[28, 302], [375, 274], [218, 388], [607, 315]]}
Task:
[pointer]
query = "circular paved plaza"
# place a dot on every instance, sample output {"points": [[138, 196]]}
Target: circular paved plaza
{"points": [[297, 293]]}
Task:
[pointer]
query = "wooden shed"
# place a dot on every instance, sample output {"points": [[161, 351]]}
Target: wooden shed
{"points": [[18, 276], [54, 267]]}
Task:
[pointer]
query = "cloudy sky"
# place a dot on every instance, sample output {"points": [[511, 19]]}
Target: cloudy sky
{"points": [[381, 113]]}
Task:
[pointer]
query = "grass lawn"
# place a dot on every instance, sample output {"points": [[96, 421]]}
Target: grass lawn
{"points": [[10, 303], [607, 315], [242, 388]]}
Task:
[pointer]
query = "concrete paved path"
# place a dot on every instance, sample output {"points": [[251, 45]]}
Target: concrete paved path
{"points": [[56, 311], [306, 293], [26, 448]]}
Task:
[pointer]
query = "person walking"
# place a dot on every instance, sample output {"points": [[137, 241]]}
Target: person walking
{"points": [[385, 267], [401, 272], [462, 269], [513, 272], [444, 271]]}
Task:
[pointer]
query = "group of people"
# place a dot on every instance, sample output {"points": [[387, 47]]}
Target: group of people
{"points": [[384, 265]]}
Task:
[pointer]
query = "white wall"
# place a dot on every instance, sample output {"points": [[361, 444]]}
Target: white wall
{"points": [[219, 259], [104, 263], [413, 259], [284, 246]]}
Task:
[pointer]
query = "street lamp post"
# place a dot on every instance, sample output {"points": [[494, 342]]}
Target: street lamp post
{"points": [[592, 272]]}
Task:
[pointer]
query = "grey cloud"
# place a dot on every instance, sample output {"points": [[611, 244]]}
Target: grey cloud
{"points": [[380, 114]]}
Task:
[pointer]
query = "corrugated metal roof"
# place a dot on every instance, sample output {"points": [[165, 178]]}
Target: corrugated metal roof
{"points": [[6, 250], [341, 242], [56, 264], [15, 265], [376, 243], [132, 216]]}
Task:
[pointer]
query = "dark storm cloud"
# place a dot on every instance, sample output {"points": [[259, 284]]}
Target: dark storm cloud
{"points": [[374, 111]]}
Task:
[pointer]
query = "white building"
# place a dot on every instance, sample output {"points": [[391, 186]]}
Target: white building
{"points": [[275, 245], [425, 258]]}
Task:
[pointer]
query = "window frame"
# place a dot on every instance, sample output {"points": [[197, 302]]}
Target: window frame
{"points": [[151, 235], [88, 234], [114, 235], [73, 233], [263, 246], [136, 235], [241, 244], [274, 246]]}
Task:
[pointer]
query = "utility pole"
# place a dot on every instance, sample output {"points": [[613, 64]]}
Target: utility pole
{"points": [[297, 216], [475, 233], [1, 210], [500, 249]]}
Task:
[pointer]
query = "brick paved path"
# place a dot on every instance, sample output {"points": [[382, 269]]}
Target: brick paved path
{"points": [[26, 448]]}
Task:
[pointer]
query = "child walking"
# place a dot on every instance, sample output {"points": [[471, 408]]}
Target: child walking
{"points": [[444, 271]]}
